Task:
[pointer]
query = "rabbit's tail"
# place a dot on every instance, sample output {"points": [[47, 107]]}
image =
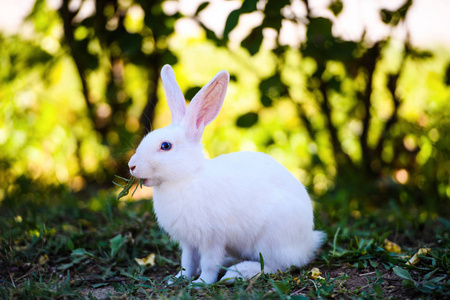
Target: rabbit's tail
{"points": [[248, 269], [318, 239]]}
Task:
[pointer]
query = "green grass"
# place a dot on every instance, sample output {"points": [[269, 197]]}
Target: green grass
{"points": [[58, 245]]}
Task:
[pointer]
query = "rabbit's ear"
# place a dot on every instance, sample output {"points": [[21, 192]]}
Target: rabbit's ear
{"points": [[174, 96], [205, 106]]}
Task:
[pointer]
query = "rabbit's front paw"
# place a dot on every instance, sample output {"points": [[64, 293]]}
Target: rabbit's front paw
{"points": [[207, 277], [179, 278], [203, 281]]}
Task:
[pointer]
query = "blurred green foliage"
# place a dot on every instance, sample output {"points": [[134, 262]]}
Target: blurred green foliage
{"points": [[360, 123], [371, 137]]}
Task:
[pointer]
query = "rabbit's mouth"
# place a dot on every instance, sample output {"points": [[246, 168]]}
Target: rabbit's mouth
{"points": [[150, 182]]}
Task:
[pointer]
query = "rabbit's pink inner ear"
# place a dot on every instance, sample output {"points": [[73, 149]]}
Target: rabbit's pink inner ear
{"points": [[212, 100], [175, 97], [205, 106]]}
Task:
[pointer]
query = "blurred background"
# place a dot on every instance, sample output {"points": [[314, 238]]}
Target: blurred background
{"points": [[353, 97]]}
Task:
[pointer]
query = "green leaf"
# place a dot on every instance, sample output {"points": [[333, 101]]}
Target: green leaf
{"points": [[386, 16], [211, 35], [231, 23], [116, 243], [272, 87], [261, 261], [335, 240], [130, 43], [266, 101], [126, 189], [96, 285], [336, 7], [119, 185], [64, 267], [418, 54], [299, 297], [443, 221], [233, 18], [393, 17], [403, 10], [169, 58], [377, 288], [191, 92], [319, 30], [402, 273], [70, 245], [426, 289], [139, 184], [435, 280], [428, 275], [253, 41], [362, 264], [80, 252], [249, 6], [272, 16], [373, 263], [123, 178], [78, 255], [281, 287], [201, 7], [247, 120], [334, 83]]}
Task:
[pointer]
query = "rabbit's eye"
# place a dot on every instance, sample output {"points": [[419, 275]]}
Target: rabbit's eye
{"points": [[166, 146]]}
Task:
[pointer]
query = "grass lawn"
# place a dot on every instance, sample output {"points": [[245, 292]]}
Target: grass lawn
{"points": [[59, 245]]}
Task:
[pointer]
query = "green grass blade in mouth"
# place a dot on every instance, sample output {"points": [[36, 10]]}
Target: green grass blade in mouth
{"points": [[126, 188]]}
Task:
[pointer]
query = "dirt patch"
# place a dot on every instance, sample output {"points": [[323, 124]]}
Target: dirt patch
{"points": [[111, 287], [348, 280], [101, 292], [360, 280]]}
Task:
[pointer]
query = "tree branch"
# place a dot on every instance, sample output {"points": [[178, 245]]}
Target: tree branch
{"points": [[302, 115], [341, 157], [67, 18], [148, 113], [392, 87], [392, 83], [369, 61]]}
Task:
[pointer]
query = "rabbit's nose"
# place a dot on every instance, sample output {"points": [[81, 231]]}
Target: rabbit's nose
{"points": [[132, 168]]}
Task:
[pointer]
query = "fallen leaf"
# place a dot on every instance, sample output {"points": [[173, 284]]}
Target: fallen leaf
{"points": [[356, 214], [146, 261], [21, 248], [43, 259], [414, 260], [392, 247], [69, 228], [424, 251], [315, 273]]}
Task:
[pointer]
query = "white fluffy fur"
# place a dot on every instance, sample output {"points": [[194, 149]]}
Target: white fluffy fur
{"points": [[239, 204]]}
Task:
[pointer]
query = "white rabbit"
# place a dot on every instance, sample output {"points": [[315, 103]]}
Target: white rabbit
{"points": [[236, 205]]}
